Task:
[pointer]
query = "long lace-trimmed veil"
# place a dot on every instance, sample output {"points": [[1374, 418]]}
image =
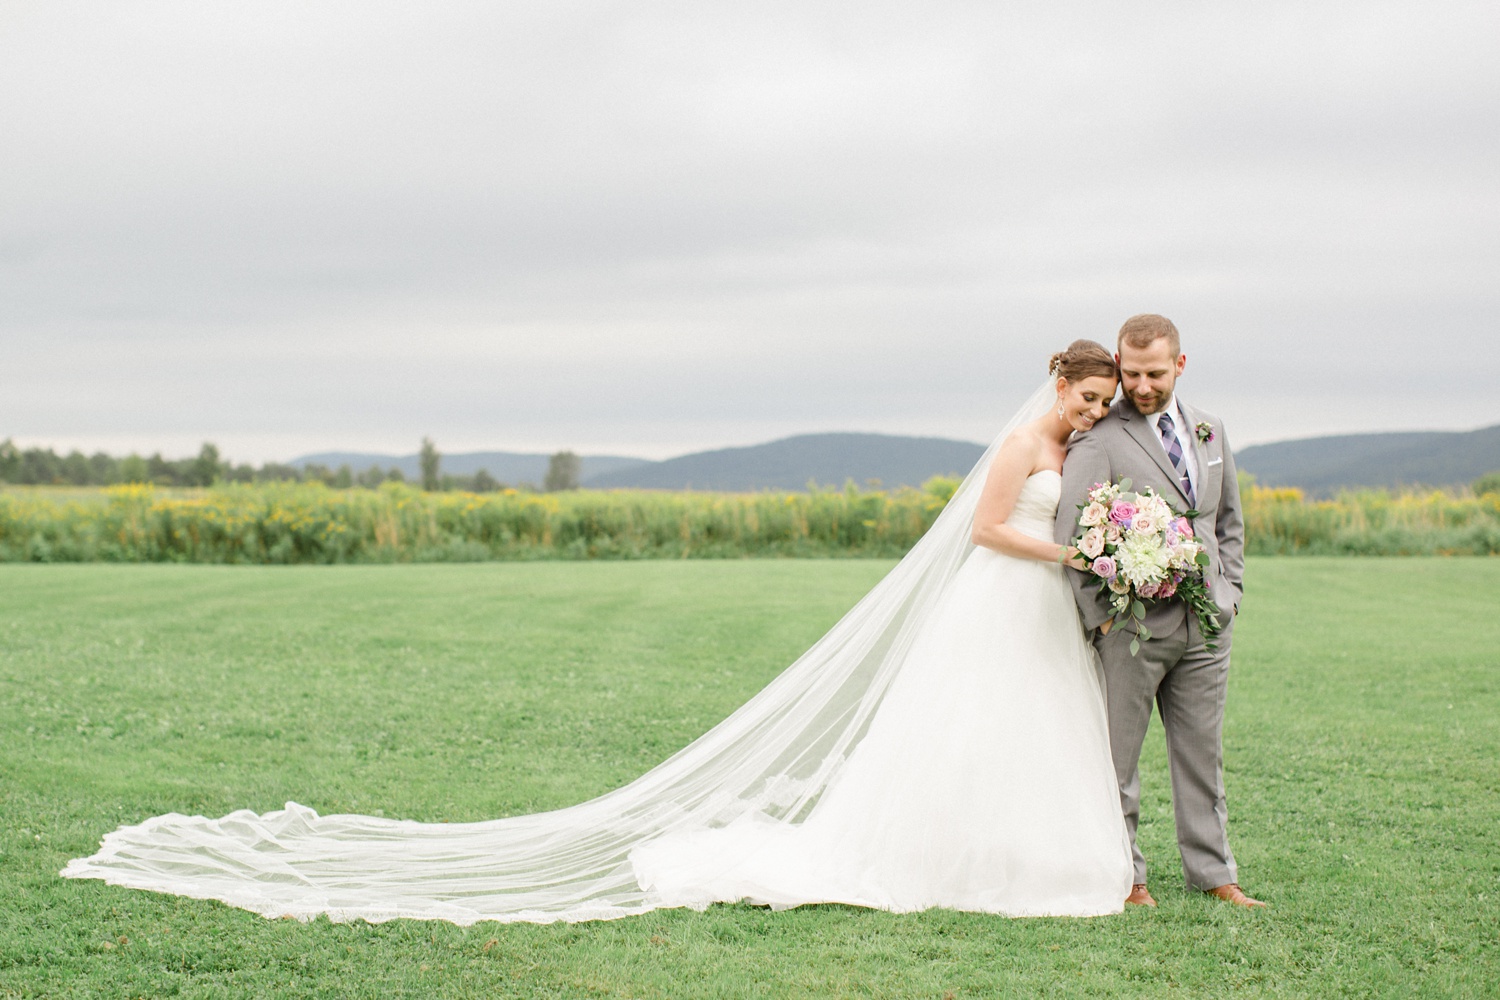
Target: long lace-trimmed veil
{"points": [[775, 755]]}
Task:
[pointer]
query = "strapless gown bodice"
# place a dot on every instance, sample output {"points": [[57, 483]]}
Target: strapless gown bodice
{"points": [[1036, 507]]}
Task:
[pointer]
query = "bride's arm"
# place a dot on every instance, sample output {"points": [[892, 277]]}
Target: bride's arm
{"points": [[1012, 464]]}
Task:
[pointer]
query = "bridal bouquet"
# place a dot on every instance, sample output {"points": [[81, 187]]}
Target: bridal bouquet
{"points": [[1141, 550]]}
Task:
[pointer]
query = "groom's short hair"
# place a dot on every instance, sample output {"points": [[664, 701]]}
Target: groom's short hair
{"points": [[1141, 331]]}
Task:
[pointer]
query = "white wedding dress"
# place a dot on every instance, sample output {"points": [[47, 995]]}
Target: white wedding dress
{"points": [[984, 783], [944, 745]]}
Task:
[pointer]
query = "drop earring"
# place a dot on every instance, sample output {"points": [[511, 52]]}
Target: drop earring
{"points": [[1060, 414]]}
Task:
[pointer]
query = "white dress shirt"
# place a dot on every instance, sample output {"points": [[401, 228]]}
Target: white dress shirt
{"points": [[1186, 437]]}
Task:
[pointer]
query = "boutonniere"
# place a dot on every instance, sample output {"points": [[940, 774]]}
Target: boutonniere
{"points": [[1205, 431]]}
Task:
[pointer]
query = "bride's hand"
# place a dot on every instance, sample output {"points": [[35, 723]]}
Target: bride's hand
{"points": [[1072, 557]]}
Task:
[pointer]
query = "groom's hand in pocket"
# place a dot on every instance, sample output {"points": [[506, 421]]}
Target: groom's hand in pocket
{"points": [[1109, 623]]}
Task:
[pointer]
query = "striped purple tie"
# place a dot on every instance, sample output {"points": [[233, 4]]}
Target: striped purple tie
{"points": [[1174, 452]]}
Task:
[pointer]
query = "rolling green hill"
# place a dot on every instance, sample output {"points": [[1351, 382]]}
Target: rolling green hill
{"points": [[1322, 466], [791, 463]]}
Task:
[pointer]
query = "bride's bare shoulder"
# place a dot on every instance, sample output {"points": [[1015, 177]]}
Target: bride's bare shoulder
{"points": [[1024, 440], [1020, 454]]}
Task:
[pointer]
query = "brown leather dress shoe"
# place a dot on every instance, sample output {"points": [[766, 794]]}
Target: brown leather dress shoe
{"points": [[1139, 896], [1232, 893]]}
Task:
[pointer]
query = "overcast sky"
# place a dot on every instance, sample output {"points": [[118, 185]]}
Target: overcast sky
{"points": [[647, 228]]}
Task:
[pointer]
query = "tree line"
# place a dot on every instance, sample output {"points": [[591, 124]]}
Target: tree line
{"points": [[45, 467]]}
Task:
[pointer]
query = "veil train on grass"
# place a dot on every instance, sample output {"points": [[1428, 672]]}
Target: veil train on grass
{"points": [[774, 755]]}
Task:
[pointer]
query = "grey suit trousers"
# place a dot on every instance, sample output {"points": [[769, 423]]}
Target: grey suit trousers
{"points": [[1190, 683]]}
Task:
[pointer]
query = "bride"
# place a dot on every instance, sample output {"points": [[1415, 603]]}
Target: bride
{"points": [[944, 745]]}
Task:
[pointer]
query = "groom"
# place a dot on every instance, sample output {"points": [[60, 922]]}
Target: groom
{"points": [[1156, 440]]}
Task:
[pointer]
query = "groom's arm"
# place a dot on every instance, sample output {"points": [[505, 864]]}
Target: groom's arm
{"points": [[1086, 464], [1230, 526]]}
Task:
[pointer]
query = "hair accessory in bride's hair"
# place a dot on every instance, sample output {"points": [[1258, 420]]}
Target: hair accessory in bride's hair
{"points": [[1082, 359]]}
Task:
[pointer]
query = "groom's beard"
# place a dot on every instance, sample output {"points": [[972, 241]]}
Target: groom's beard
{"points": [[1148, 408], [1155, 403]]}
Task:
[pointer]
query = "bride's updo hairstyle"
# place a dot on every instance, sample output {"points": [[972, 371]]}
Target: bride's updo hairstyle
{"points": [[1083, 359]]}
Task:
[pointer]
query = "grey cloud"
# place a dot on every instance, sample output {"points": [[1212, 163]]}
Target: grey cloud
{"points": [[616, 223]]}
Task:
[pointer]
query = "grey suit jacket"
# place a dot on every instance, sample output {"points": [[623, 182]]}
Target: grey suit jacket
{"points": [[1126, 444]]}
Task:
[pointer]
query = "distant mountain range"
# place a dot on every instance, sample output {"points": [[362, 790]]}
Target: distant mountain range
{"points": [[788, 464], [791, 463], [507, 466], [1322, 466]]}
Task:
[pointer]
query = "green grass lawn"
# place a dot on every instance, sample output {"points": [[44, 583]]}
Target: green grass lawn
{"points": [[1363, 743]]}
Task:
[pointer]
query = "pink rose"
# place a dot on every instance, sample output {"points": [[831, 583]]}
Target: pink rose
{"points": [[1122, 512], [1144, 523], [1105, 566], [1184, 527], [1171, 539], [1167, 589], [1148, 590]]}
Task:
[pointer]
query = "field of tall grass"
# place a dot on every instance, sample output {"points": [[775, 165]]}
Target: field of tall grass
{"points": [[311, 523], [1371, 523]]}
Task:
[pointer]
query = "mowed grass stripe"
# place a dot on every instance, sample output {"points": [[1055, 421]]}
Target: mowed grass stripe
{"points": [[1362, 745]]}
